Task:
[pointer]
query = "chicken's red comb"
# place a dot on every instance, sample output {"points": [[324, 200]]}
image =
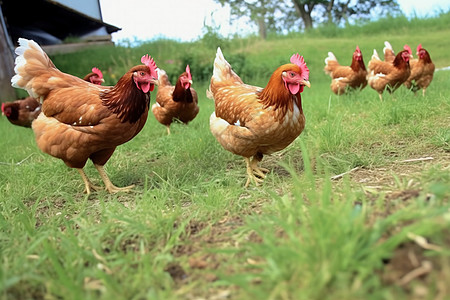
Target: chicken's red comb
{"points": [[419, 47], [407, 48], [150, 63], [3, 107], [97, 71], [188, 71], [299, 61], [357, 49]]}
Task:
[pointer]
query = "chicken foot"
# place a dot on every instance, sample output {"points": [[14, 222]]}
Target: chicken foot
{"points": [[87, 183], [109, 186], [254, 172]]}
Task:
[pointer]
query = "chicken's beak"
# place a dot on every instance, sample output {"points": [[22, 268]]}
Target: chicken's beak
{"points": [[306, 82]]}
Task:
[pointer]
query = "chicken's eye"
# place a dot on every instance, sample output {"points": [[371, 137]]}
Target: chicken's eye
{"points": [[142, 73], [292, 74]]}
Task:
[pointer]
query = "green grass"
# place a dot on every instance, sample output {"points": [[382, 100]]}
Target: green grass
{"points": [[191, 230]]}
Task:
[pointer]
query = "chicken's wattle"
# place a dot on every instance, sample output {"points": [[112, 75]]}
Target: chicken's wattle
{"points": [[145, 87], [293, 88]]}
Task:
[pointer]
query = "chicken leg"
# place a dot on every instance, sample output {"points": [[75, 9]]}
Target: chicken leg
{"points": [[87, 183], [109, 186], [254, 173], [380, 96]]}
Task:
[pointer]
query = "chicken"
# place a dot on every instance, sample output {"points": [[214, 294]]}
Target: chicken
{"points": [[389, 54], [24, 111], [344, 77], [408, 48], [81, 120], [179, 102], [388, 51], [21, 112], [95, 77], [251, 121], [384, 75], [422, 71]]}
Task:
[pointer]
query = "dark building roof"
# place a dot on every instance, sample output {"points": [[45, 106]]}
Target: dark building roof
{"points": [[48, 22]]}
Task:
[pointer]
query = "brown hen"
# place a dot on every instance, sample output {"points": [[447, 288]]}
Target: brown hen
{"points": [[345, 77], [385, 75], [422, 71], [251, 121], [81, 120], [179, 102], [23, 112]]}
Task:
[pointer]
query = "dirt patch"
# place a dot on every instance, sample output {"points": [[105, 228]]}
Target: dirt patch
{"points": [[418, 274], [398, 182], [199, 257], [176, 272], [399, 172]]}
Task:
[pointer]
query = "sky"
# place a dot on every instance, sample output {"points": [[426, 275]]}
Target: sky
{"points": [[184, 20]]}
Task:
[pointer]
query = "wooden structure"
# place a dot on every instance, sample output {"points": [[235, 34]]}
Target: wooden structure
{"points": [[7, 92], [49, 23]]}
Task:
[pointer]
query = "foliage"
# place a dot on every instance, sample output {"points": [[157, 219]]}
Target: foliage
{"points": [[363, 10], [268, 15], [293, 15]]}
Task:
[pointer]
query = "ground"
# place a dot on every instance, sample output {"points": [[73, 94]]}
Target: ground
{"points": [[409, 268]]}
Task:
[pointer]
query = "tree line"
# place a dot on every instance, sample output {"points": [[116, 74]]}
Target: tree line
{"points": [[298, 15]]}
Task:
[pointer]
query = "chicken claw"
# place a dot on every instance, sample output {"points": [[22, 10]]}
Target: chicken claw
{"points": [[112, 189], [254, 173], [87, 183], [258, 170]]}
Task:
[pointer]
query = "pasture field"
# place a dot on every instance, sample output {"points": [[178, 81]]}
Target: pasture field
{"points": [[356, 208]]}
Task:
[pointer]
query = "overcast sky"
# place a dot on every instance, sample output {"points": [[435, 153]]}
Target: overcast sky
{"points": [[184, 20]]}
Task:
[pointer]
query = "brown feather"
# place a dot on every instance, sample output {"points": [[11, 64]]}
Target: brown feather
{"points": [[175, 102], [344, 77], [267, 119], [422, 72], [22, 112], [125, 100], [395, 73]]}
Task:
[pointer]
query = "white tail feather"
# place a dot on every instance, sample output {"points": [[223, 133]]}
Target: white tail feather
{"points": [[375, 55], [331, 56], [387, 45], [220, 64], [18, 80]]}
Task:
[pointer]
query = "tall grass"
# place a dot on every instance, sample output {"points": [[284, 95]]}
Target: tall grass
{"points": [[191, 231]]}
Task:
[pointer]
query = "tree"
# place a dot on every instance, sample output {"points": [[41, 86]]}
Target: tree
{"points": [[341, 11], [305, 8], [280, 15], [265, 14]]}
